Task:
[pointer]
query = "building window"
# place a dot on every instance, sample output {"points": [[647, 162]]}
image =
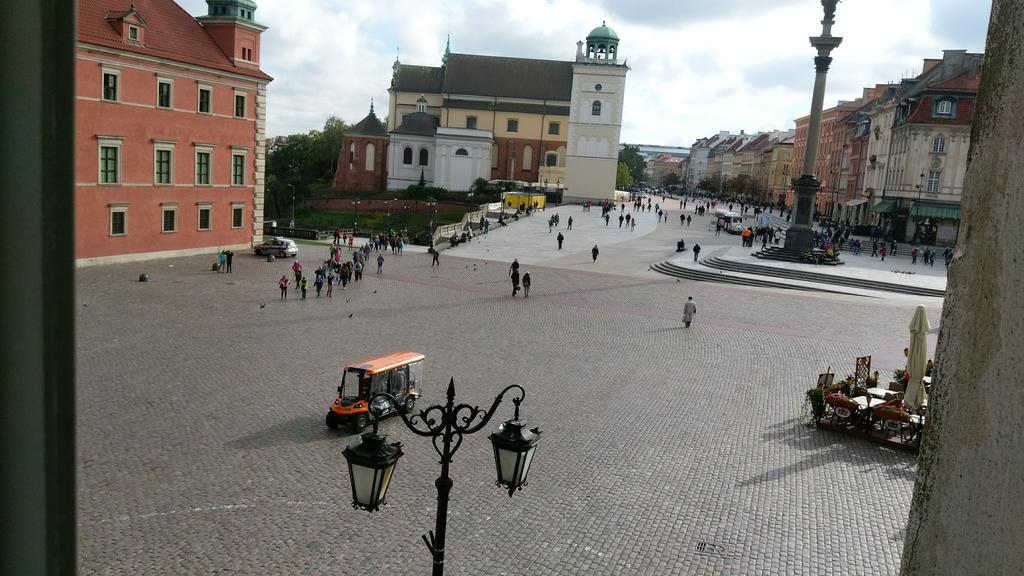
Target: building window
{"points": [[110, 165], [118, 220], [133, 33], [110, 81], [933, 181], [163, 93], [424, 156], [370, 157], [407, 156], [239, 106], [551, 159], [351, 155], [204, 217], [553, 128], [944, 108], [204, 99], [595, 108], [939, 144], [237, 215], [471, 122], [513, 125], [202, 167], [238, 169], [170, 219], [162, 170], [527, 157], [597, 87], [461, 152]]}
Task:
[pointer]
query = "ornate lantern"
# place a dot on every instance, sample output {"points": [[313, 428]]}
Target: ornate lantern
{"points": [[371, 464], [514, 448]]}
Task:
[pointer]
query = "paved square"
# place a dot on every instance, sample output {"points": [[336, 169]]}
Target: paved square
{"points": [[203, 449]]}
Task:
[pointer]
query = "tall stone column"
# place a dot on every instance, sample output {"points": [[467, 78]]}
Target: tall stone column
{"points": [[967, 515], [800, 237]]}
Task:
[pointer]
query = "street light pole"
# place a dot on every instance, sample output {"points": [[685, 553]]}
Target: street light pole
{"points": [[800, 236], [291, 189], [355, 216], [514, 448]]}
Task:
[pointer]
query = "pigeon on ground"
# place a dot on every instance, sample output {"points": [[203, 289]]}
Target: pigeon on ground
{"points": [[262, 306], [349, 315], [347, 300], [374, 291]]}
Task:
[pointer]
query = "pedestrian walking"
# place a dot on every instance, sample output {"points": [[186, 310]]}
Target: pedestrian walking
{"points": [[632, 225], [688, 219], [318, 284], [526, 285], [222, 262], [228, 257], [607, 219], [628, 219], [297, 270], [358, 269], [515, 282], [696, 251], [682, 219], [434, 253], [568, 223], [689, 309], [330, 282], [621, 218], [560, 240], [380, 264], [594, 252], [913, 255], [303, 285], [283, 285], [882, 251]]}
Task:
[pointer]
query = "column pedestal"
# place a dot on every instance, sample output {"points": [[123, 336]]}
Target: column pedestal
{"points": [[800, 236]]}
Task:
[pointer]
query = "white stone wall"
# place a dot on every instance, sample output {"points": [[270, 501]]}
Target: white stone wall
{"points": [[456, 172], [402, 175], [593, 140], [260, 146]]}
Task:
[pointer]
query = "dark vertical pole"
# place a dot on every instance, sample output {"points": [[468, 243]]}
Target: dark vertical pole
{"points": [[37, 400], [444, 486]]}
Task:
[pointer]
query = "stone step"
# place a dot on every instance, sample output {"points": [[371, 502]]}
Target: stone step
{"points": [[808, 276], [676, 271]]}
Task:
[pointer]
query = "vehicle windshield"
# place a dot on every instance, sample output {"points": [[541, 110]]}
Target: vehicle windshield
{"points": [[355, 383]]}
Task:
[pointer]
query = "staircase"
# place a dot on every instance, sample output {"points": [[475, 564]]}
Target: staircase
{"points": [[670, 269]]}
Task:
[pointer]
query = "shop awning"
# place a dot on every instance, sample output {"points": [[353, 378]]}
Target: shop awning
{"points": [[936, 210], [885, 207], [855, 202]]}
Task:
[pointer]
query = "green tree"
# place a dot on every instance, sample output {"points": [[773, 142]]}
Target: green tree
{"points": [[630, 155], [671, 179], [623, 179], [304, 165]]}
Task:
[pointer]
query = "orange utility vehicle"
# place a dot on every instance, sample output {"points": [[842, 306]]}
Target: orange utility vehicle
{"points": [[399, 374]]}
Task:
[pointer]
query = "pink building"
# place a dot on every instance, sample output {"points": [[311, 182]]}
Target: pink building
{"points": [[170, 120]]}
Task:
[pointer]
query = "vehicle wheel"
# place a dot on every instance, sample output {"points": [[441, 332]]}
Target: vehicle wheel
{"points": [[282, 254], [359, 422], [332, 420], [259, 253], [410, 403]]}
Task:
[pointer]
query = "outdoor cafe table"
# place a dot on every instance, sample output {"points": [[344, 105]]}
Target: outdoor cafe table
{"points": [[883, 393]]}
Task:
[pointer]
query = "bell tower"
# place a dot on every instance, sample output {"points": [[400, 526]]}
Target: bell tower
{"points": [[230, 23], [595, 116]]}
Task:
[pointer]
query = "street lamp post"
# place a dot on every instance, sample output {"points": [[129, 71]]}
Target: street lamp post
{"points": [[291, 189], [432, 206], [371, 461], [387, 206], [355, 215], [800, 236], [406, 207]]}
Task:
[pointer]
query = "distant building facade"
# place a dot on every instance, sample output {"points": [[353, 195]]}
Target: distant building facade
{"points": [[554, 124], [362, 161], [170, 117]]}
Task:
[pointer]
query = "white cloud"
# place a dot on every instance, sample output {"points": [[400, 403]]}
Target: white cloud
{"points": [[695, 71]]}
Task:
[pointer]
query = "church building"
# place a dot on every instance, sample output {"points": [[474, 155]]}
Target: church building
{"points": [[553, 124]]}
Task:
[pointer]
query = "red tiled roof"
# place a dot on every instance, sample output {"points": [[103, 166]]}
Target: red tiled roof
{"points": [[171, 33], [967, 82]]}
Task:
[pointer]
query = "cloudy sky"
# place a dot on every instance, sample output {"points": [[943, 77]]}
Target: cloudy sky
{"points": [[697, 66]]}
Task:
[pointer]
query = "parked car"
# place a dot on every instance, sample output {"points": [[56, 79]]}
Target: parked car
{"points": [[279, 247]]}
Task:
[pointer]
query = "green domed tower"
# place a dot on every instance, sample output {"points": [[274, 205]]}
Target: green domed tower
{"points": [[602, 43]]}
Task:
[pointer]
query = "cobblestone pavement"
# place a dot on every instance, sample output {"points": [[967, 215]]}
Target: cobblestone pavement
{"points": [[202, 445]]}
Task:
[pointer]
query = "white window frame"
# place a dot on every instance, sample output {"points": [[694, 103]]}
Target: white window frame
{"points": [[234, 105], [199, 98], [116, 72], [200, 206], [941, 104], [939, 144], [170, 101], [934, 181], [157, 147], [164, 209], [134, 29], [120, 209], [235, 207], [237, 153], [202, 149], [105, 142]]}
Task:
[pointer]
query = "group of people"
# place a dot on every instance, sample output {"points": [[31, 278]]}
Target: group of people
{"points": [[337, 269], [513, 273]]}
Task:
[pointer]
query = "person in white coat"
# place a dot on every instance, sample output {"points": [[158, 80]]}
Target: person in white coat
{"points": [[689, 309]]}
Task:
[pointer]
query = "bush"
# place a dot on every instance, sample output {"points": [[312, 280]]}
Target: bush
{"points": [[417, 192]]}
